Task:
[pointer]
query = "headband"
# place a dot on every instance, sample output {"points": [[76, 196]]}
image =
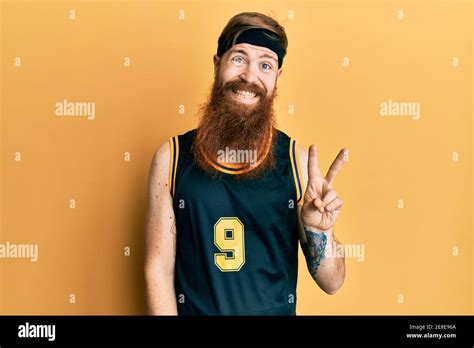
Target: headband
{"points": [[257, 37]]}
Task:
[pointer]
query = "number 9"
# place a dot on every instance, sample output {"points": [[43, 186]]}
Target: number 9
{"points": [[229, 238]]}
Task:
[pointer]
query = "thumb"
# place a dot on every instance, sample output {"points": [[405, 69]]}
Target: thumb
{"points": [[318, 204]]}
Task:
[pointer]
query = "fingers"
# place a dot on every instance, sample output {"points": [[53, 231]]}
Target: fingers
{"points": [[335, 204], [329, 197], [336, 166], [313, 168], [318, 204], [330, 202]]}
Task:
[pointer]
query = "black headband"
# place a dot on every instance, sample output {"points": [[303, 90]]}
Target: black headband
{"points": [[257, 37]]}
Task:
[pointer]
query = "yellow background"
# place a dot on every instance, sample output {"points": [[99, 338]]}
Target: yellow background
{"points": [[408, 251]]}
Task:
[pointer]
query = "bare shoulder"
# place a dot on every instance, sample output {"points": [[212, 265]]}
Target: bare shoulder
{"points": [[159, 169], [162, 154]]}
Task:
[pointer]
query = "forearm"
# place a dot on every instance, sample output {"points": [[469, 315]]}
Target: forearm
{"points": [[325, 259], [160, 295]]}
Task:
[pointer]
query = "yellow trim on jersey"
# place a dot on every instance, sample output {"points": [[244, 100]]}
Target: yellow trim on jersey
{"points": [[173, 166], [170, 141], [295, 167], [300, 174]]}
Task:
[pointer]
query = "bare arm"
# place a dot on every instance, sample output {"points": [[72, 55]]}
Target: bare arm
{"points": [[160, 238], [324, 254]]}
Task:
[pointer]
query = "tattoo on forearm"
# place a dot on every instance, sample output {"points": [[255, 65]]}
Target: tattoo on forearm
{"points": [[313, 249]]}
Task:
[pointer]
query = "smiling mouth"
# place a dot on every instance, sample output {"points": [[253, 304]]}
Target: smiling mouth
{"points": [[244, 95]]}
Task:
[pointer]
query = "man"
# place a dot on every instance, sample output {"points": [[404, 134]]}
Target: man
{"points": [[227, 201]]}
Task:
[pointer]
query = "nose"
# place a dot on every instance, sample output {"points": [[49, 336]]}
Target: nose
{"points": [[249, 75]]}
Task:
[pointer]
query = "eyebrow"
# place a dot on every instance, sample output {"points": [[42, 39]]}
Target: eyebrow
{"points": [[265, 55]]}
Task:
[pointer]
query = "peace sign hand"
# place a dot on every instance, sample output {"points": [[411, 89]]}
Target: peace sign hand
{"points": [[321, 205]]}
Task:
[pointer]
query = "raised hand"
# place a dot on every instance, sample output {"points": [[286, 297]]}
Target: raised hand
{"points": [[321, 204]]}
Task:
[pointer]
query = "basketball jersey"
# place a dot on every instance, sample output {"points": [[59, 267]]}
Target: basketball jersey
{"points": [[236, 240]]}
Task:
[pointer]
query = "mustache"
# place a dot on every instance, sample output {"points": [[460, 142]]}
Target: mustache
{"points": [[251, 87]]}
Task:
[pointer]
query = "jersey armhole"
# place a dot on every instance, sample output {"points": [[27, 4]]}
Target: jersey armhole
{"points": [[295, 166], [174, 153]]}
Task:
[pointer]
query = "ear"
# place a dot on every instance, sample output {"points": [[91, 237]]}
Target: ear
{"points": [[280, 71], [216, 61]]}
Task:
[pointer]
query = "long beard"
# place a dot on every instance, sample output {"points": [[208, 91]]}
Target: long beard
{"points": [[227, 123]]}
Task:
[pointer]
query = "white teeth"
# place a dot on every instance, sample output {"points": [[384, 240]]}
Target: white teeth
{"points": [[245, 94]]}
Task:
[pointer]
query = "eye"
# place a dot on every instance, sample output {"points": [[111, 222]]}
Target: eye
{"points": [[267, 66], [238, 60]]}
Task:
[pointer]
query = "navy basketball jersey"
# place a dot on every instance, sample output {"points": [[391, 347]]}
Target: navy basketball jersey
{"points": [[236, 240]]}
